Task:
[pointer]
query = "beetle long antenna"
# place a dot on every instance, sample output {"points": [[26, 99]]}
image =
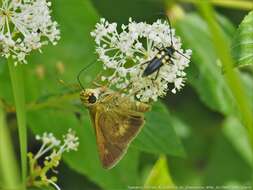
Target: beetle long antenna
{"points": [[168, 20], [80, 72], [182, 55], [171, 41]]}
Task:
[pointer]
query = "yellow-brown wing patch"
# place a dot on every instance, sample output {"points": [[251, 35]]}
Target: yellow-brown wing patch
{"points": [[119, 127]]}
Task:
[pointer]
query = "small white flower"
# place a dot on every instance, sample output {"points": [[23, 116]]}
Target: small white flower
{"points": [[48, 138], [71, 141], [50, 142], [25, 25], [126, 52]]}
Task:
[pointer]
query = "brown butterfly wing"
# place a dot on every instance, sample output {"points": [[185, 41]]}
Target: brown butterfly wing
{"points": [[109, 153], [116, 125]]}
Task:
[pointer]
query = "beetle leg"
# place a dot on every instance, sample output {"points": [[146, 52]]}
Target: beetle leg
{"points": [[145, 63], [157, 73], [156, 76], [157, 48], [182, 55]]}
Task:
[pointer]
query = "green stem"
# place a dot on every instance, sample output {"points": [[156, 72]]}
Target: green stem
{"points": [[236, 4], [8, 165], [55, 101], [16, 74], [52, 102], [232, 77]]}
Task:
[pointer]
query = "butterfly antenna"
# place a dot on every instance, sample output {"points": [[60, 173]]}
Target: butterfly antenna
{"points": [[80, 72]]}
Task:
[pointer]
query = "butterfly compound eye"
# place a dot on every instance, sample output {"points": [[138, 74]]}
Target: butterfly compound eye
{"points": [[88, 97], [92, 99]]}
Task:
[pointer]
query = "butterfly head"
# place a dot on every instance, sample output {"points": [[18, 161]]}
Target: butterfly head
{"points": [[89, 96]]}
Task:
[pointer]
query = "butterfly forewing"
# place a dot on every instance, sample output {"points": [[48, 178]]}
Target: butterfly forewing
{"points": [[117, 120]]}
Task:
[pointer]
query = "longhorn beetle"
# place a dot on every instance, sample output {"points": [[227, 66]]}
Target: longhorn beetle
{"points": [[164, 56]]}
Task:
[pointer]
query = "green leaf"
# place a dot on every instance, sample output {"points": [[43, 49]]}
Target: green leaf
{"points": [[17, 82], [72, 180], [226, 165], [85, 160], [5, 82], [140, 10], [159, 176], [204, 126], [247, 80], [204, 73], [236, 134], [158, 135], [242, 46], [9, 170]]}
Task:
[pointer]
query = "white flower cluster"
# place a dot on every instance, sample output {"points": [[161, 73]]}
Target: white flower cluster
{"points": [[25, 25], [50, 142], [125, 56], [39, 174]]}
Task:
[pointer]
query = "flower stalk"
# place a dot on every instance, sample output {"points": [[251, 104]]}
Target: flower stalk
{"points": [[8, 166], [16, 75]]}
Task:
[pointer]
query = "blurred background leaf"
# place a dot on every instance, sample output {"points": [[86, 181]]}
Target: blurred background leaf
{"points": [[209, 82], [159, 176], [141, 10], [242, 47], [224, 169], [236, 133], [158, 135]]}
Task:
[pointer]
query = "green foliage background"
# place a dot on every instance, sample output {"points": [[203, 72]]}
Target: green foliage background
{"points": [[197, 129]]}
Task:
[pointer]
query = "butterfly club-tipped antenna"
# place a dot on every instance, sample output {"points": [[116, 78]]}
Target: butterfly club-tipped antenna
{"points": [[81, 71]]}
